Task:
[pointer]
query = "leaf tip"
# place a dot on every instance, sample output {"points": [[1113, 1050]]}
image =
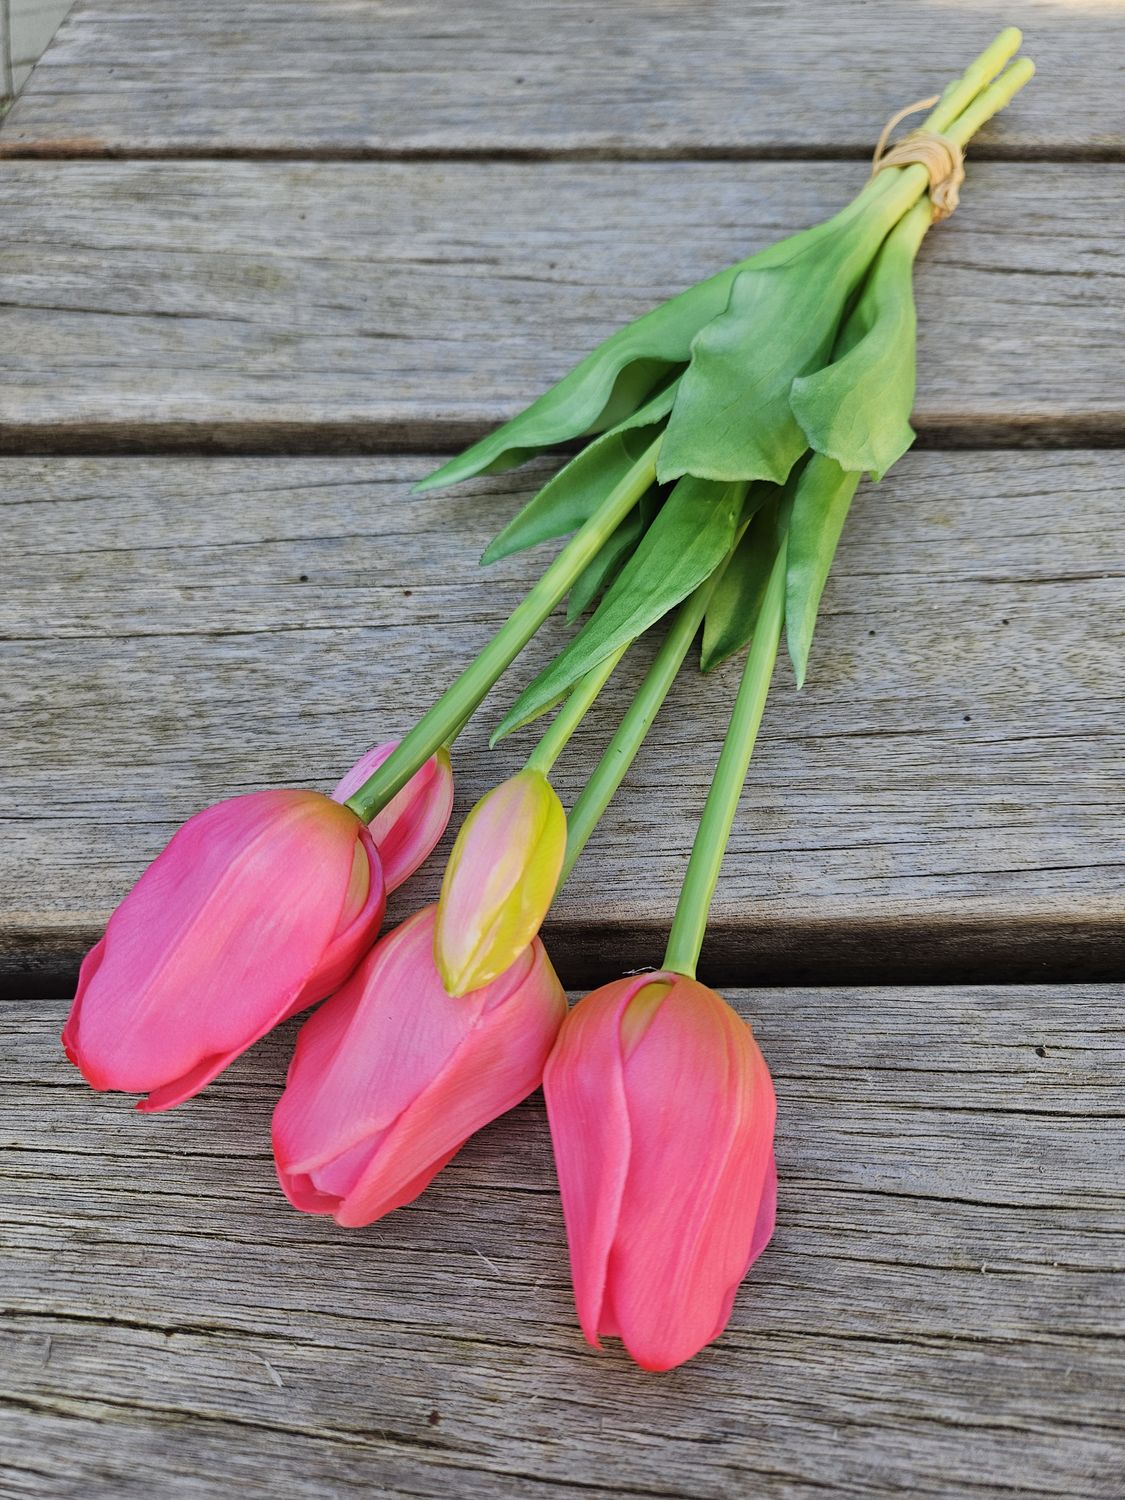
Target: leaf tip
{"points": [[710, 652], [799, 656], [464, 466]]}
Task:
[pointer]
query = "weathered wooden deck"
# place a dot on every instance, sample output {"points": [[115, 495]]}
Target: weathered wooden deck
{"points": [[259, 264]]}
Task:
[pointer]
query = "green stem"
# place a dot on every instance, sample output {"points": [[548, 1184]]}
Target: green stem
{"points": [[573, 711], [622, 749], [464, 696], [980, 72], [991, 101], [690, 922]]}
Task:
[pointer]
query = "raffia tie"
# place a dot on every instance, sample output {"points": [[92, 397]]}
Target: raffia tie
{"points": [[941, 157]]}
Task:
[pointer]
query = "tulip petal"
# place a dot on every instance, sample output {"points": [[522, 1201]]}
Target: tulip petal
{"points": [[499, 1063], [336, 964], [701, 1117], [392, 1075], [356, 929], [767, 1215], [192, 1082], [413, 821], [763, 1233], [398, 1035], [311, 1198], [364, 768], [590, 1135], [88, 1068]]}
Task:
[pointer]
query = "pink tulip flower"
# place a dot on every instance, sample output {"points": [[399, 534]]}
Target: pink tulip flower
{"points": [[662, 1111], [499, 882], [258, 907], [414, 820], [392, 1075]]}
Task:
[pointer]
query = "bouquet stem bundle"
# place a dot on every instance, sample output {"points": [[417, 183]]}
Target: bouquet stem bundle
{"points": [[725, 435]]}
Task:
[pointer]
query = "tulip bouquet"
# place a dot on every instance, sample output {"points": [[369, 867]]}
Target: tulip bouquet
{"points": [[728, 431]]}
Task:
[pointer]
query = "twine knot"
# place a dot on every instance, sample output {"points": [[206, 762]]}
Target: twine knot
{"points": [[941, 157]]}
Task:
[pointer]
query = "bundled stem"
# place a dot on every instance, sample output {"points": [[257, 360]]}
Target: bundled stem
{"points": [[983, 90], [991, 101], [980, 72]]}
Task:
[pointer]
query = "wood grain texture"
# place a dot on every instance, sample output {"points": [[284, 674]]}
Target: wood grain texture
{"points": [[944, 797], [262, 306], [639, 77], [940, 1312]]}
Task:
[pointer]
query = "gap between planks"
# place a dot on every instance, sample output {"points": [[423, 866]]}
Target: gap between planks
{"points": [[79, 150], [363, 439], [900, 951]]}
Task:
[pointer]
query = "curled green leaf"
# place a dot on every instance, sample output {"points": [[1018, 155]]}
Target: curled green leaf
{"points": [[618, 375], [732, 418], [609, 383], [857, 409]]}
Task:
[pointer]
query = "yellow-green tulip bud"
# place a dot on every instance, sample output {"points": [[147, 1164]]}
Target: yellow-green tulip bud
{"points": [[499, 882]]}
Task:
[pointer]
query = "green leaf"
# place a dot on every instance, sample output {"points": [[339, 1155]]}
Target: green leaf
{"points": [[732, 418], [684, 545], [615, 378], [732, 615], [597, 575], [820, 508], [575, 492], [857, 409], [619, 374]]}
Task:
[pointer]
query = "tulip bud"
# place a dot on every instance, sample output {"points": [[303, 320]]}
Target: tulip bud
{"points": [[662, 1111], [413, 820], [392, 1075], [258, 907], [499, 882]]}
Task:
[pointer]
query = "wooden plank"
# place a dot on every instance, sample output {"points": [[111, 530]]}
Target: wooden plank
{"points": [[944, 797], [264, 305], [649, 78], [939, 1313]]}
